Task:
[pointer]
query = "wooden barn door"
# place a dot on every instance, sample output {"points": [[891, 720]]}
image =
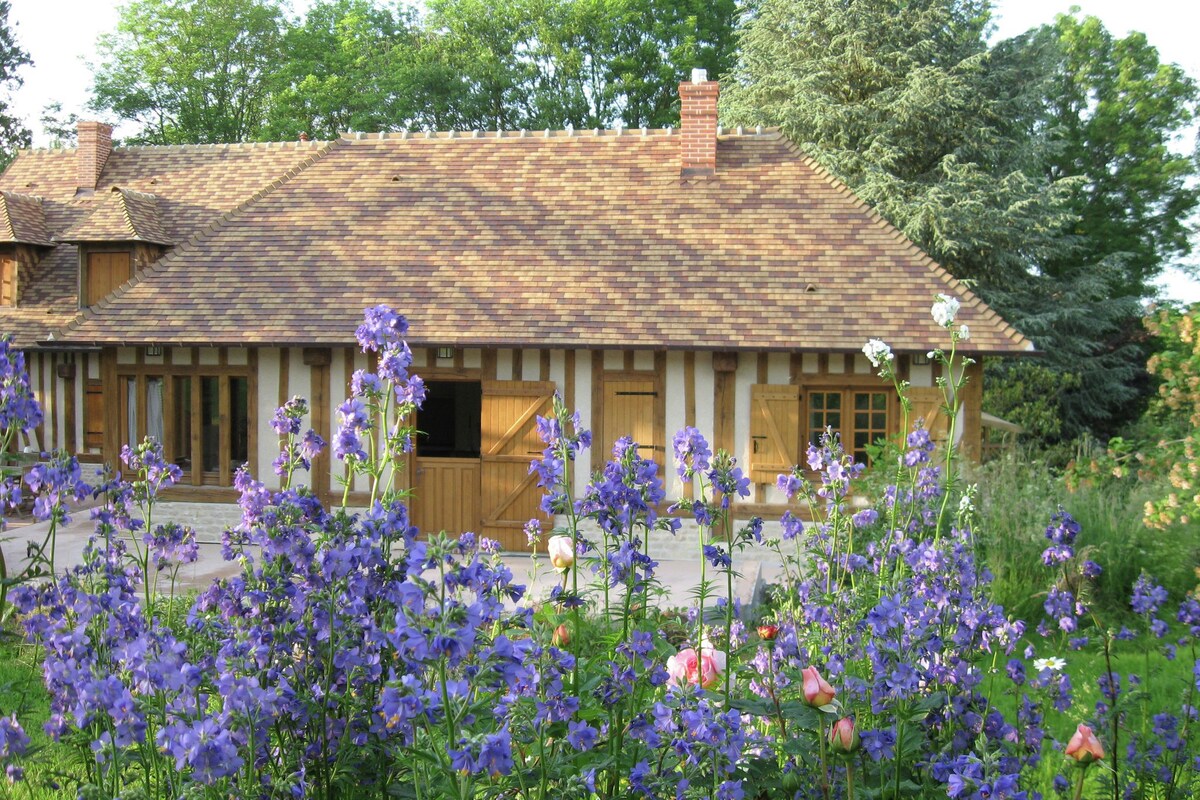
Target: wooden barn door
{"points": [[509, 494]]}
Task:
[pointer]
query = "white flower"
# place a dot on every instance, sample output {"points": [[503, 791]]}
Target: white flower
{"points": [[1054, 664], [944, 309], [877, 352], [562, 552], [964, 333]]}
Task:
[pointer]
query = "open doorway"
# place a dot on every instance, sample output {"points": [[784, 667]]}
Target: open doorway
{"points": [[447, 486]]}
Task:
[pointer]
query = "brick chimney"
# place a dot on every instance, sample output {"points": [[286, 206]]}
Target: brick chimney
{"points": [[95, 144], [698, 123]]}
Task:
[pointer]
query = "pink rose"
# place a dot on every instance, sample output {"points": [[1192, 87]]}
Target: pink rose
{"points": [[843, 737], [1084, 747], [704, 668], [817, 692]]}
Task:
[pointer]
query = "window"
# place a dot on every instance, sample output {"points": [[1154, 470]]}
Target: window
{"points": [[861, 418], [103, 273], [8, 282], [203, 421]]}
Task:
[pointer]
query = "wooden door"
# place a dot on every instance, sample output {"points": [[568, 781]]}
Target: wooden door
{"points": [[446, 495], [509, 494]]}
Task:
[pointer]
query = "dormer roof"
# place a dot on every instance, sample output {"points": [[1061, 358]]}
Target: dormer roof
{"points": [[22, 220], [123, 216]]}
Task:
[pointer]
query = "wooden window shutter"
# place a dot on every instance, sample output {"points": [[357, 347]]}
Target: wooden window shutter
{"points": [[630, 409], [927, 404], [93, 415], [774, 431], [105, 272], [8, 282]]}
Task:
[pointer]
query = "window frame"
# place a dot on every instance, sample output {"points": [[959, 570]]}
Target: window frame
{"points": [[194, 473]]}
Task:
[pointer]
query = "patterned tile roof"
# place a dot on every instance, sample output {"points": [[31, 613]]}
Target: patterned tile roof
{"points": [[22, 220], [550, 240], [194, 185], [124, 216]]}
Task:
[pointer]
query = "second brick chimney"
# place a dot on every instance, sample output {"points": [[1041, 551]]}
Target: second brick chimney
{"points": [[95, 145], [698, 123]]}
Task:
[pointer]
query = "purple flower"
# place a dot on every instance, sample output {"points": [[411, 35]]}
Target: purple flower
{"points": [[691, 452], [381, 328], [581, 736]]}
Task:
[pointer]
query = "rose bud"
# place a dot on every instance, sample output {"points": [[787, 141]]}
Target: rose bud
{"points": [[843, 737], [817, 691], [1084, 747], [768, 632], [562, 636], [562, 552]]}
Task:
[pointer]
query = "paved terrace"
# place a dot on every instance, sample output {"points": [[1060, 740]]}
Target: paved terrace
{"points": [[679, 577]]}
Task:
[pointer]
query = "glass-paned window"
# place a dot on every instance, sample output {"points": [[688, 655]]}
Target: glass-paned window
{"points": [[824, 411], [870, 421]]}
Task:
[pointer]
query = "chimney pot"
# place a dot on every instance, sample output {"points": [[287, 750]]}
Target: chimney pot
{"points": [[94, 148], [699, 75]]}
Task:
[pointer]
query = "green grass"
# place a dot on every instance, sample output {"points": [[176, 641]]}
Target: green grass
{"points": [[48, 764], [1018, 494]]}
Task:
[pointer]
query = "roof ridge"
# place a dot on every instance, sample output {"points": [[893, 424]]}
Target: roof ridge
{"points": [[619, 131], [203, 233], [935, 269]]}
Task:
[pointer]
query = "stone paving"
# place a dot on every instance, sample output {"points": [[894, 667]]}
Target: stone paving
{"points": [[679, 576]]}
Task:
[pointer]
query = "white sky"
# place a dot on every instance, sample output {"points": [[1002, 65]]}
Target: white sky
{"points": [[60, 36]]}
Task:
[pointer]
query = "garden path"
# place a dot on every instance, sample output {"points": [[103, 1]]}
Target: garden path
{"points": [[679, 577]]}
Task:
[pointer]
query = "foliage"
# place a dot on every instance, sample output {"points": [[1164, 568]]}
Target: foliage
{"points": [[359, 65], [190, 72], [1164, 444], [1115, 114], [350, 658], [13, 133], [346, 67]]}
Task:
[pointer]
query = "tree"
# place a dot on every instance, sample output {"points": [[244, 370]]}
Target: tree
{"points": [[191, 72], [347, 67], [904, 103], [1114, 111], [13, 133]]}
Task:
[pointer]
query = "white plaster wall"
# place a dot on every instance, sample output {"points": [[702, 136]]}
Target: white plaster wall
{"points": [[558, 368], [531, 365], [583, 404], [746, 376], [643, 359], [504, 365], [676, 418], [473, 359], [209, 356], [268, 401], [779, 368], [921, 375]]}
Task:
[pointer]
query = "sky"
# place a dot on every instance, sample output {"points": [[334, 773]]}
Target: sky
{"points": [[60, 37]]}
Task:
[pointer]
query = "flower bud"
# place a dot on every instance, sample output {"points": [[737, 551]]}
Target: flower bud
{"points": [[768, 632], [562, 552], [562, 636], [817, 691], [1084, 747], [843, 736]]}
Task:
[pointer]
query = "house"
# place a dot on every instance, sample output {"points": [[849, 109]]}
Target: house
{"points": [[655, 278]]}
